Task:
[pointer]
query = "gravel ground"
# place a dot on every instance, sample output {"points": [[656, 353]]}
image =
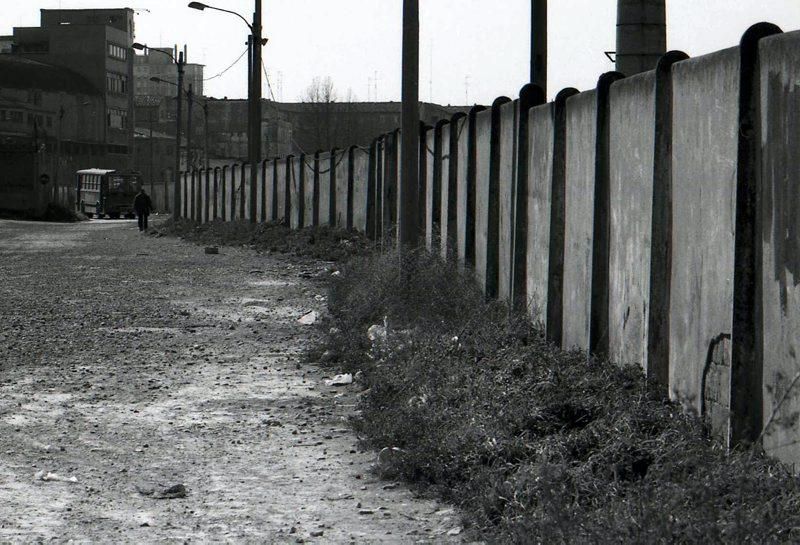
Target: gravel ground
{"points": [[129, 364]]}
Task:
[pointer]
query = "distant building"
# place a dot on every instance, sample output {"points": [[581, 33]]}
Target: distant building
{"points": [[95, 43], [156, 63], [326, 125], [52, 123]]}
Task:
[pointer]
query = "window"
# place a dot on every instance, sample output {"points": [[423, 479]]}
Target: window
{"points": [[12, 116], [116, 83], [117, 51], [117, 119]]}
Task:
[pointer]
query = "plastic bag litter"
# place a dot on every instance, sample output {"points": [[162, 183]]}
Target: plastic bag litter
{"points": [[42, 476]]}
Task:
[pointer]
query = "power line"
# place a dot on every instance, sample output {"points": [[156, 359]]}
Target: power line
{"points": [[228, 68]]}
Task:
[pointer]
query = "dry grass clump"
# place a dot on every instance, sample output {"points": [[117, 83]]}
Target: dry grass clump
{"points": [[316, 242], [536, 444]]}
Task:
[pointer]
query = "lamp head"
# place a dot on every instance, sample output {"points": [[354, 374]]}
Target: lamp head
{"points": [[139, 47], [197, 5]]}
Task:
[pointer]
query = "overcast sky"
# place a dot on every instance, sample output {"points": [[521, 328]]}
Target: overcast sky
{"points": [[471, 50]]}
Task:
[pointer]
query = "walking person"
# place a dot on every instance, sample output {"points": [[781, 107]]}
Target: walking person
{"points": [[142, 205]]}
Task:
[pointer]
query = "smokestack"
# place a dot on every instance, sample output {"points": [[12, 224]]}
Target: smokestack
{"points": [[641, 35]]}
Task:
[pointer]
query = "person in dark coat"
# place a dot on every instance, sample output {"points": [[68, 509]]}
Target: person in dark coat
{"points": [[142, 205]]}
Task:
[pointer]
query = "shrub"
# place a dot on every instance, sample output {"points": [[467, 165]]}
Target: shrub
{"points": [[536, 444]]}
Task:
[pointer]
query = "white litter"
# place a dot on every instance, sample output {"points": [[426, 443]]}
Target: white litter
{"points": [[340, 380], [376, 333], [42, 476], [309, 318]]}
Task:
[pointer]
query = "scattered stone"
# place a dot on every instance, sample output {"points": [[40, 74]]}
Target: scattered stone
{"points": [[212, 250], [169, 493]]}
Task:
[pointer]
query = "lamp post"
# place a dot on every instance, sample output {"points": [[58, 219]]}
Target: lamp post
{"points": [[255, 43], [176, 190], [408, 217]]}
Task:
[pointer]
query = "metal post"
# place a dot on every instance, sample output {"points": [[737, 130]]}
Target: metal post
{"points": [[176, 191], [255, 99], [539, 44], [408, 224]]}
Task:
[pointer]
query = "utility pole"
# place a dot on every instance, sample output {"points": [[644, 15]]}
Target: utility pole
{"points": [[205, 127], [189, 101], [150, 168], [176, 190], [408, 217], [255, 111], [539, 43], [641, 35]]}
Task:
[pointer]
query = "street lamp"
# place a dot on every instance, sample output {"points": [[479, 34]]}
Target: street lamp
{"points": [[176, 190], [254, 44]]}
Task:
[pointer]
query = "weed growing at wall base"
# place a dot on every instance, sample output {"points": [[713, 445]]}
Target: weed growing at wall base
{"points": [[536, 444]]}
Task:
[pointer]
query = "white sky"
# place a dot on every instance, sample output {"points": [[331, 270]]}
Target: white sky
{"points": [[471, 50]]}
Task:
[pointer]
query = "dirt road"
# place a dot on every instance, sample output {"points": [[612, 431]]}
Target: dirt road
{"points": [[129, 364]]}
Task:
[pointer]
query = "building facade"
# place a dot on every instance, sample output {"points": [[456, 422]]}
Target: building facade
{"points": [[52, 124], [96, 44]]}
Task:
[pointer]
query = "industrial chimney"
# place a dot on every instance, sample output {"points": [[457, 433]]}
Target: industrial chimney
{"points": [[641, 35]]}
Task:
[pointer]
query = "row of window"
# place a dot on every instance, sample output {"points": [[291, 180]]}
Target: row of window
{"points": [[116, 83], [117, 51], [12, 116]]}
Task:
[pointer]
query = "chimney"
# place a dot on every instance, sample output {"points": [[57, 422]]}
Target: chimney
{"points": [[641, 35]]}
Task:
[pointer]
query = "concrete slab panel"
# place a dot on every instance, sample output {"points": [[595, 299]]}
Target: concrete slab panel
{"points": [[295, 179], [541, 128], [324, 188], [280, 174], [705, 147], [507, 171], [428, 184], [307, 164], [579, 200], [269, 188], [780, 203], [483, 134], [631, 151], [462, 128], [342, 165], [360, 186], [247, 192], [445, 206]]}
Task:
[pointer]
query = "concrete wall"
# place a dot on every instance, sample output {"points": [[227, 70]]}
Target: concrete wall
{"points": [[632, 140], [581, 137], [540, 179], [705, 122], [680, 126], [780, 233]]}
